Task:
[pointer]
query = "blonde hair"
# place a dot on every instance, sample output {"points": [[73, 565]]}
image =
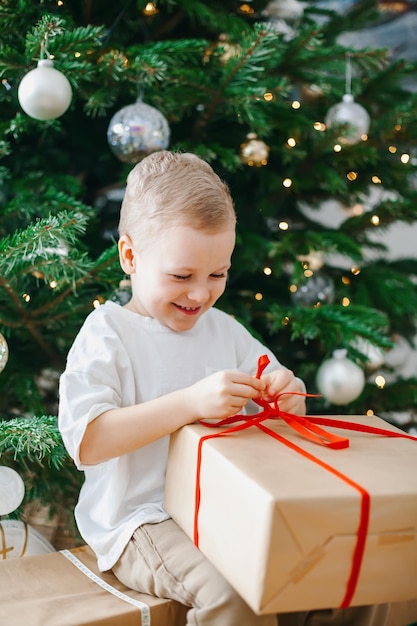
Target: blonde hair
{"points": [[168, 188]]}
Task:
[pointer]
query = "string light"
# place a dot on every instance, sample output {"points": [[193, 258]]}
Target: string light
{"points": [[267, 271], [352, 176], [370, 412], [380, 381], [268, 96], [283, 225], [337, 147], [258, 296], [296, 104], [355, 270], [150, 9], [246, 9], [376, 180], [320, 126], [392, 149], [53, 284], [98, 301], [404, 158], [375, 220], [291, 143], [287, 182], [345, 301], [26, 297]]}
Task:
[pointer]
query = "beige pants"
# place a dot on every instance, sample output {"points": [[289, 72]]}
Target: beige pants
{"points": [[162, 561]]}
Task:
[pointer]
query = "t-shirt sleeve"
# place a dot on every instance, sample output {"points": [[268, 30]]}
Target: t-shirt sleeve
{"points": [[89, 386]]}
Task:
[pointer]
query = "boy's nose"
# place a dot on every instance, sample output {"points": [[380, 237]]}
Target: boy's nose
{"points": [[198, 293]]}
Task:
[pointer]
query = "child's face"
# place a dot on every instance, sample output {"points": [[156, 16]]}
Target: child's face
{"points": [[180, 275]]}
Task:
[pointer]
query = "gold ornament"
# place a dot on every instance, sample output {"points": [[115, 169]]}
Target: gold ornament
{"points": [[254, 151], [150, 9]]}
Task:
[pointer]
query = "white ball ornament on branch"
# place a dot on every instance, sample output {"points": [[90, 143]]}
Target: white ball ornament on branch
{"points": [[44, 93], [4, 352], [137, 130], [339, 379], [12, 490], [352, 117]]}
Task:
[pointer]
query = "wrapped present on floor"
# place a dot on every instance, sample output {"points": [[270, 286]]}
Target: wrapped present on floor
{"points": [[294, 525], [66, 589]]}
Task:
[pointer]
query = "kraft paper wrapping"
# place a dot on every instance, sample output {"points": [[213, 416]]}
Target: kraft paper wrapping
{"points": [[49, 590], [282, 529]]}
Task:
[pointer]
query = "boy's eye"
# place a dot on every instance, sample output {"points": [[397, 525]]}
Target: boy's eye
{"points": [[223, 275], [180, 277]]}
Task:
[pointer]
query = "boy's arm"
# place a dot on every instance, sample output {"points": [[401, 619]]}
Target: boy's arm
{"points": [[122, 430]]}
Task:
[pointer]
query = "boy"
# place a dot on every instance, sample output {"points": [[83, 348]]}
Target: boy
{"points": [[137, 373]]}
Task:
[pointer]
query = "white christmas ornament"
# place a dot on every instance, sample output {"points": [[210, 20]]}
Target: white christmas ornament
{"points": [[18, 539], [339, 379], [136, 131], [44, 93], [12, 490], [4, 352], [352, 116]]}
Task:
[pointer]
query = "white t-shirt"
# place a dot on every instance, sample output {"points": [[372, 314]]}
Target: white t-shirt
{"points": [[121, 358]]}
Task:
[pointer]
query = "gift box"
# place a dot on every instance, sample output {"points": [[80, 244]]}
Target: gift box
{"points": [[294, 525], [66, 589]]}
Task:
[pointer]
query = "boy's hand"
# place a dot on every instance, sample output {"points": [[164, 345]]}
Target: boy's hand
{"points": [[280, 381], [223, 394]]}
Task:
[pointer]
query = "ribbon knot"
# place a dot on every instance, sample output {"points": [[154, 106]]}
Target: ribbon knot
{"points": [[303, 425]]}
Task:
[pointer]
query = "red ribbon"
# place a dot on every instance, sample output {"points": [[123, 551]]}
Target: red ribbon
{"points": [[308, 428]]}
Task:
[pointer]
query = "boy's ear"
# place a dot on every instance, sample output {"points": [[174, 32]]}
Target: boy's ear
{"points": [[127, 255]]}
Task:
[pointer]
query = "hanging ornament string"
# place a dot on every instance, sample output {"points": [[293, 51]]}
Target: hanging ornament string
{"points": [[348, 78]]}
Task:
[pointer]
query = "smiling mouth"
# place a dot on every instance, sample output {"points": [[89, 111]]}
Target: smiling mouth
{"points": [[189, 310]]}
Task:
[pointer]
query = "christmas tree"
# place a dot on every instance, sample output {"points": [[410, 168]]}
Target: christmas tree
{"points": [[290, 117]]}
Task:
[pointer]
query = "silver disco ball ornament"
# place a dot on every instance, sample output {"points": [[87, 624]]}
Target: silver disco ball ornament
{"points": [[353, 119], [136, 131], [318, 288]]}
